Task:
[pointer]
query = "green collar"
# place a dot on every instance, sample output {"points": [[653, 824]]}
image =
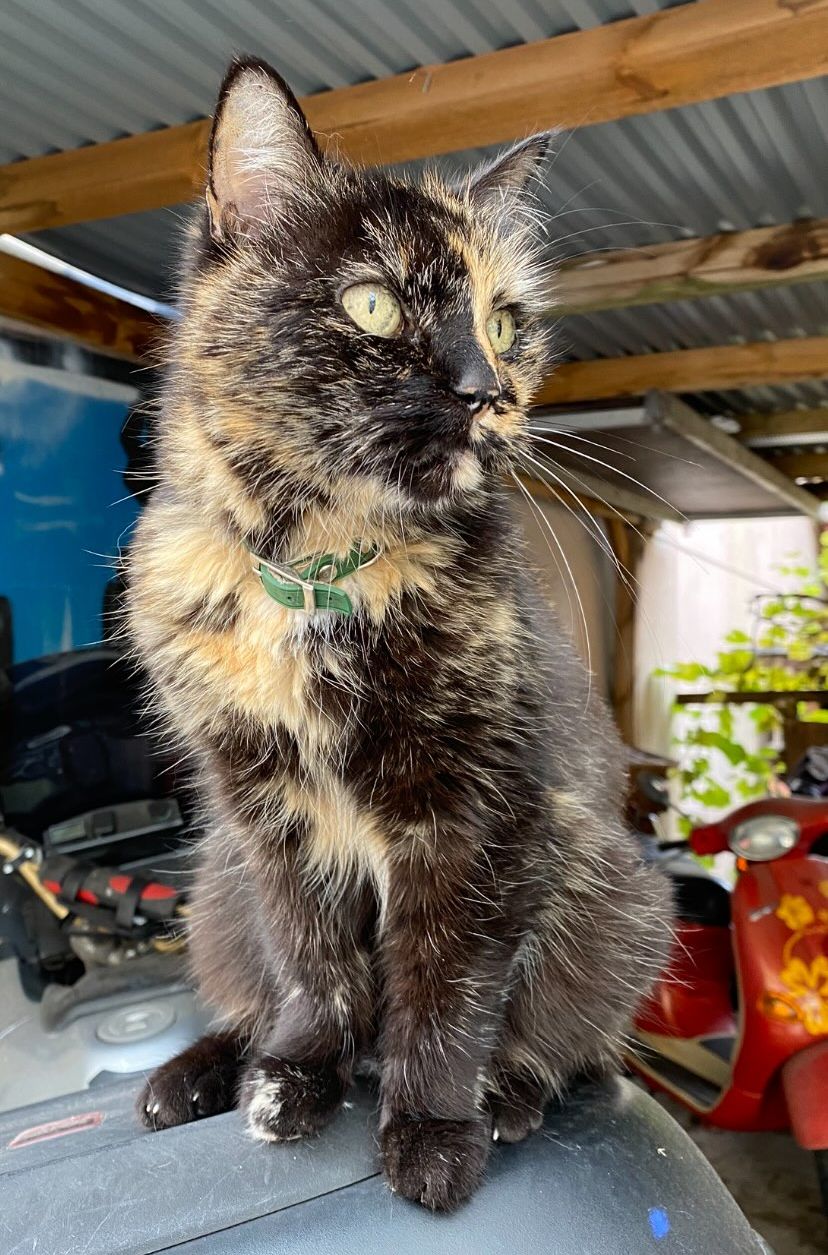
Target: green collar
{"points": [[295, 585]]}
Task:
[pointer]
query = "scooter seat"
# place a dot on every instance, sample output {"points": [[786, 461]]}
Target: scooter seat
{"points": [[610, 1173]]}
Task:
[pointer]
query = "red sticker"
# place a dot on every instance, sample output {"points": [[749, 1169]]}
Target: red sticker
{"points": [[56, 1128]]}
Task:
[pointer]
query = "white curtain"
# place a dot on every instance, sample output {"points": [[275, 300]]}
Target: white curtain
{"points": [[696, 584]]}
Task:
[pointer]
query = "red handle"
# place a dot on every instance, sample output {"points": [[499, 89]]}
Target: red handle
{"points": [[711, 839]]}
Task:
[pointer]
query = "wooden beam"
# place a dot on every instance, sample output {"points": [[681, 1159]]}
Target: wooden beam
{"points": [[736, 261], [801, 465], [688, 370], [785, 427], [677, 56], [63, 307], [673, 414]]}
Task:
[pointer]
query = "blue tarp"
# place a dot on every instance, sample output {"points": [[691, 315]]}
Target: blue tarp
{"points": [[62, 509]]}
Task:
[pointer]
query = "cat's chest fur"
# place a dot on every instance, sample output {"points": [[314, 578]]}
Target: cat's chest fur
{"points": [[301, 691]]}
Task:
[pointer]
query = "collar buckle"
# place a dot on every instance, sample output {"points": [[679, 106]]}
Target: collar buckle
{"points": [[290, 576], [282, 580]]}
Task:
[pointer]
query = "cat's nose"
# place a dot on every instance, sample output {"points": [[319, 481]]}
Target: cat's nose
{"points": [[476, 384]]}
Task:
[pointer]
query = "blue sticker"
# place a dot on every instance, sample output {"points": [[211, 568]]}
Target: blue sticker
{"points": [[659, 1222]]}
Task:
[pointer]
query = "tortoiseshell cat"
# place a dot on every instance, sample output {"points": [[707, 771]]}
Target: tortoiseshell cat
{"points": [[414, 847]]}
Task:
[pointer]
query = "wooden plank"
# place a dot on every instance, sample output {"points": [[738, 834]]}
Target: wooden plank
{"points": [[60, 306], [668, 411], [677, 56], [670, 454], [801, 465], [737, 261], [775, 697], [688, 370], [784, 427]]}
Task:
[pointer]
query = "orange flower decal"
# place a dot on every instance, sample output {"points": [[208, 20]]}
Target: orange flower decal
{"points": [[809, 985], [795, 911]]}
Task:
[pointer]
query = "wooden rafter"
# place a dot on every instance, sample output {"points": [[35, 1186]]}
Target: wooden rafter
{"points": [[673, 414], [60, 306], [811, 465], [680, 270], [785, 427], [600, 496], [677, 56], [688, 370]]}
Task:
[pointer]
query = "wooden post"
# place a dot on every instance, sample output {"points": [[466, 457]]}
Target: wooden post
{"points": [[628, 547]]}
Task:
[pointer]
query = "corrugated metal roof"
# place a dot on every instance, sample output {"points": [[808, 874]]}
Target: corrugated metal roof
{"points": [[79, 71]]}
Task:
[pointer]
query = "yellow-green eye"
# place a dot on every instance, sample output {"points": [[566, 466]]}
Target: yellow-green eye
{"points": [[501, 331], [373, 308]]}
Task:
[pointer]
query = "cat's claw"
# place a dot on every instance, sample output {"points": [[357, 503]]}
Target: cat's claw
{"points": [[284, 1101], [438, 1163], [513, 1124], [517, 1110]]}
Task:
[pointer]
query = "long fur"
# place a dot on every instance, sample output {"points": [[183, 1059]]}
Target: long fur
{"points": [[414, 845]]}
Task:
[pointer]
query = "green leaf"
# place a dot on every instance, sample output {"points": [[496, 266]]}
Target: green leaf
{"points": [[733, 752], [737, 637], [735, 660], [686, 671], [714, 795]]}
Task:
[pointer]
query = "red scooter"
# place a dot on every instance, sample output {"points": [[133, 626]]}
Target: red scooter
{"points": [[737, 1027]]}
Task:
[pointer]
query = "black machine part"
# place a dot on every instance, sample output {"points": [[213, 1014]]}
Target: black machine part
{"points": [[611, 1173], [809, 777], [122, 822]]}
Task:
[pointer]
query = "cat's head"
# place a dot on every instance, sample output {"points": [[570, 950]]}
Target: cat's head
{"points": [[353, 327]]}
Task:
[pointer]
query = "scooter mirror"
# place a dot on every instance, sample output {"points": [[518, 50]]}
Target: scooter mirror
{"points": [[654, 788]]}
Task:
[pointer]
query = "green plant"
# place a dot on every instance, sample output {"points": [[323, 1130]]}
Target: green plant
{"points": [[729, 753]]}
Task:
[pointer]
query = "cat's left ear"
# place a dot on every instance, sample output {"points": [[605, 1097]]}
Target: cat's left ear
{"points": [[500, 182], [262, 155]]}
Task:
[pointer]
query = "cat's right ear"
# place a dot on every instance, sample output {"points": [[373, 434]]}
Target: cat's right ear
{"points": [[262, 154]]}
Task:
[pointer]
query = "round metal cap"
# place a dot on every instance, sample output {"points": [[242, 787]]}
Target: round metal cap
{"points": [[137, 1023]]}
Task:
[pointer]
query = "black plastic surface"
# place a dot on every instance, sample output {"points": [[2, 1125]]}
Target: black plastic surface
{"points": [[610, 1173]]}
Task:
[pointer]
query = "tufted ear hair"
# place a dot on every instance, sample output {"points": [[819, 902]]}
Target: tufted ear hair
{"points": [[262, 153], [501, 181]]}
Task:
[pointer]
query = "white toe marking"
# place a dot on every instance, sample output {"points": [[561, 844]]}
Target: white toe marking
{"points": [[264, 1108]]}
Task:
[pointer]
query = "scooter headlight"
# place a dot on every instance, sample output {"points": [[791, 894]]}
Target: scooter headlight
{"points": [[764, 837]]}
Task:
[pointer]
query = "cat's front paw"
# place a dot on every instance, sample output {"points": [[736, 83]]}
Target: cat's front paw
{"points": [[199, 1082], [517, 1109], [284, 1101], [438, 1163]]}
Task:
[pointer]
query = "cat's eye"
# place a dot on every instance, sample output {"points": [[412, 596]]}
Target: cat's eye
{"points": [[373, 308], [501, 331]]}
